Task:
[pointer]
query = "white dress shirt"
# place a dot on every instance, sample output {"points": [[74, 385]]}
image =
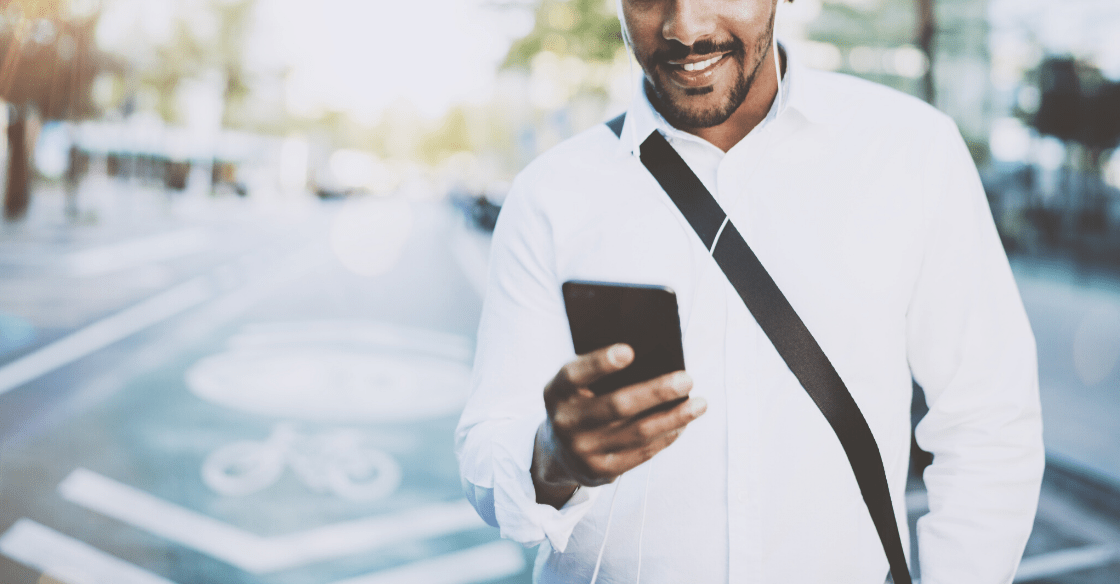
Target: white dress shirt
{"points": [[866, 209]]}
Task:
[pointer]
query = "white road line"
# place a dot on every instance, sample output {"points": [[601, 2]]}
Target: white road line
{"points": [[104, 332], [254, 553], [499, 559], [1065, 561], [302, 333], [65, 559], [135, 252]]}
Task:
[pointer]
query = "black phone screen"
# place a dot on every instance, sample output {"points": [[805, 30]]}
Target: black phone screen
{"points": [[645, 317]]}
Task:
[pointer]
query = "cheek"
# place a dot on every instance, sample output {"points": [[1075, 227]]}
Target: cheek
{"points": [[641, 26], [645, 39], [749, 18]]}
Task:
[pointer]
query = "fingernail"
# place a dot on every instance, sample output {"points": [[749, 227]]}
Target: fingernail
{"points": [[619, 354], [682, 382], [698, 406]]}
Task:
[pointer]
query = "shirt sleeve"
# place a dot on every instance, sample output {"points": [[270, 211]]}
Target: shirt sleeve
{"points": [[971, 349], [523, 340]]}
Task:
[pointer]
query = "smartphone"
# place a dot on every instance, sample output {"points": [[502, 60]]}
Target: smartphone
{"points": [[643, 316]]}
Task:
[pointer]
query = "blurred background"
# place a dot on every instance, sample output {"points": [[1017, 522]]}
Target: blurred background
{"points": [[244, 245]]}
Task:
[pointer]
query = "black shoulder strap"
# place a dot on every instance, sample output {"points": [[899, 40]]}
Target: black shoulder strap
{"points": [[786, 331], [616, 124]]}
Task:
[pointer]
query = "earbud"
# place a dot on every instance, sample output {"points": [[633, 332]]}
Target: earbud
{"points": [[635, 147], [777, 60]]}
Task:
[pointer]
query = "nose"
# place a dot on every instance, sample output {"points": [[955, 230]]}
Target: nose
{"points": [[689, 21]]}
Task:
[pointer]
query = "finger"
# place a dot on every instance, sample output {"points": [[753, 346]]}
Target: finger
{"points": [[645, 430], [612, 464], [632, 400], [586, 369], [636, 432]]}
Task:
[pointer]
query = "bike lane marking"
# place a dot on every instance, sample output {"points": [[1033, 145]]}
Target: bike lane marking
{"points": [[65, 559], [136, 252], [484, 563], [105, 332], [253, 553], [156, 309]]}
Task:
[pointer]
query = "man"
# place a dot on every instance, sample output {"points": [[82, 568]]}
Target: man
{"points": [[865, 208]]}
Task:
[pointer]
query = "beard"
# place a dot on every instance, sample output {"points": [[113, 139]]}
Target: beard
{"points": [[675, 109]]}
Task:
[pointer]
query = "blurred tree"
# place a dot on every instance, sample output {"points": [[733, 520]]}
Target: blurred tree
{"points": [[234, 22], [190, 54], [1059, 110], [49, 57], [587, 29], [1077, 104], [876, 39], [451, 136], [874, 24], [1101, 125], [1081, 108]]}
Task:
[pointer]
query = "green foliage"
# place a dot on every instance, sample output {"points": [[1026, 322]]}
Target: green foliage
{"points": [[587, 29], [451, 136], [187, 55]]}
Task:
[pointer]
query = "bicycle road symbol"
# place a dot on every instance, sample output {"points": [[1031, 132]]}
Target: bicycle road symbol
{"points": [[337, 461], [333, 372], [337, 372]]}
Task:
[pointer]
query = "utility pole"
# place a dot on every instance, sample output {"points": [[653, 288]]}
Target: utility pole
{"points": [[927, 29]]}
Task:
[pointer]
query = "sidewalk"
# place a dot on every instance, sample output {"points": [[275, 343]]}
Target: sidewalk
{"points": [[1075, 314], [128, 242]]}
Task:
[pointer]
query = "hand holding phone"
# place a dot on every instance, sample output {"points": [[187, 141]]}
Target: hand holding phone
{"points": [[597, 429], [601, 314]]}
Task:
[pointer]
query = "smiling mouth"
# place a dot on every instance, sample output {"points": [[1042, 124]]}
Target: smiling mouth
{"points": [[698, 65]]}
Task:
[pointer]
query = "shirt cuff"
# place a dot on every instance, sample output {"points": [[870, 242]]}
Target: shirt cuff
{"points": [[519, 515]]}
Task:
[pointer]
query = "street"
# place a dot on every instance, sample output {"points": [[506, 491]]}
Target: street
{"points": [[274, 403], [218, 391]]}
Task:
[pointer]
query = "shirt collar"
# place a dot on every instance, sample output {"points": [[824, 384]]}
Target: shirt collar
{"points": [[642, 119]]}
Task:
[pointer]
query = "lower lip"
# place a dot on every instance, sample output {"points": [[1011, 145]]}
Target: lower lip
{"points": [[696, 78]]}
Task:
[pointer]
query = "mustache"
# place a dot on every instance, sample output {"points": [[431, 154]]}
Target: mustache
{"points": [[677, 50]]}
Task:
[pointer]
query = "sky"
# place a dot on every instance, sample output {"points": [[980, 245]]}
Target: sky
{"points": [[355, 56], [363, 56]]}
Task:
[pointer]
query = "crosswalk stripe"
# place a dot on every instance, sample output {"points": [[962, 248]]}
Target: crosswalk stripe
{"points": [[499, 559], [68, 560], [254, 553], [104, 333]]}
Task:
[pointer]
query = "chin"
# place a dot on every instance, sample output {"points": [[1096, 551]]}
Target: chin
{"points": [[710, 108]]}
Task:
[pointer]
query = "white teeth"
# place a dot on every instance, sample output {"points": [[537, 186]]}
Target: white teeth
{"points": [[702, 64]]}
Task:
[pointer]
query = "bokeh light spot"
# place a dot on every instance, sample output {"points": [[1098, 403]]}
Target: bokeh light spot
{"points": [[1096, 345], [369, 235]]}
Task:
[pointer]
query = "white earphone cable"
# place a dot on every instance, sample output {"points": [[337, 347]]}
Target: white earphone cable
{"points": [[635, 147], [607, 530], [642, 525], [777, 59]]}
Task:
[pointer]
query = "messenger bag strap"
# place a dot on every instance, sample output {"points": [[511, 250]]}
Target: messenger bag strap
{"points": [[785, 330]]}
